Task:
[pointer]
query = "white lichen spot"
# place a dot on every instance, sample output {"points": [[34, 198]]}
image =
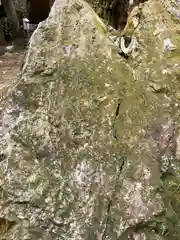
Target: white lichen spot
{"points": [[80, 174], [165, 162], [146, 173], [139, 186], [137, 208], [48, 200], [164, 71], [109, 69], [168, 45], [84, 176], [159, 29], [107, 85], [86, 103]]}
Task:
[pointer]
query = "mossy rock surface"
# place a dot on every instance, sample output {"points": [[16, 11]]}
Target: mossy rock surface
{"points": [[88, 138]]}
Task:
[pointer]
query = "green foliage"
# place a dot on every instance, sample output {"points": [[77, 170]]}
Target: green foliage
{"points": [[160, 226], [169, 224], [101, 8]]}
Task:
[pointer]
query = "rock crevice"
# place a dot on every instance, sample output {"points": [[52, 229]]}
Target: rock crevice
{"points": [[87, 134]]}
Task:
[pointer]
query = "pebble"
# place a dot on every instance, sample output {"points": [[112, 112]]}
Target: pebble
{"points": [[8, 54], [10, 48]]}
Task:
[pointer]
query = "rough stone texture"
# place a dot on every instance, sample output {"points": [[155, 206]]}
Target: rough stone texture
{"points": [[88, 136], [20, 5]]}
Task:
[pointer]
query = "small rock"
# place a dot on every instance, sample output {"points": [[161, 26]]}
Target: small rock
{"points": [[10, 48], [8, 54]]}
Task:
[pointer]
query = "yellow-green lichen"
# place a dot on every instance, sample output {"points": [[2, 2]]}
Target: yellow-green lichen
{"points": [[99, 24]]}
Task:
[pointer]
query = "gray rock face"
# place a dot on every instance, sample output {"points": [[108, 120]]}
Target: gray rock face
{"points": [[84, 137]]}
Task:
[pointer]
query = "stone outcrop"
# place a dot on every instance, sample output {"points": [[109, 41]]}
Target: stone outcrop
{"points": [[89, 143]]}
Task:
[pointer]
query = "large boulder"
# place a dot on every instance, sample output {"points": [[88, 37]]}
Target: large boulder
{"points": [[89, 133]]}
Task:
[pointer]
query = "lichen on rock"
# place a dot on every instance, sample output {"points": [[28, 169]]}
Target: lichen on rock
{"points": [[88, 137]]}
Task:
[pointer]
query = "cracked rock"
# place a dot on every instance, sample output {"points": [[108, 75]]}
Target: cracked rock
{"points": [[64, 174]]}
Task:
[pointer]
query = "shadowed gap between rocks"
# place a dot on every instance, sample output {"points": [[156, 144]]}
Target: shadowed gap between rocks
{"points": [[116, 12]]}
